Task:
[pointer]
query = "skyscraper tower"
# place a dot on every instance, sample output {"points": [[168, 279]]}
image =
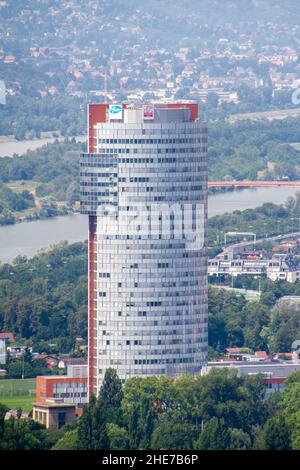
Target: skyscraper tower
{"points": [[143, 184]]}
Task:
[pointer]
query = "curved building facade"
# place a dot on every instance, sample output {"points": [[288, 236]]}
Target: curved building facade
{"points": [[143, 185]]}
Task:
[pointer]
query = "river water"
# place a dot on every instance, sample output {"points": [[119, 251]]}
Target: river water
{"points": [[27, 238], [248, 198], [9, 148]]}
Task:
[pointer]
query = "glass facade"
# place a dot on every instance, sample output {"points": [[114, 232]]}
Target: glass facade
{"points": [[143, 185], [71, 392]]}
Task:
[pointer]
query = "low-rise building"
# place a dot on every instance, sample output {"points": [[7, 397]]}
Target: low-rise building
{"points": [[239, 354], [275, 374], [68, 389], [6, 339], [279, 267], [54, 414], [17, 414], [65, 361]]}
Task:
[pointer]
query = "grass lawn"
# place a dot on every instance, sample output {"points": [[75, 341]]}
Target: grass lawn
{"points": [[19, 186], [25, 213], [248, 293], [17, 393]]}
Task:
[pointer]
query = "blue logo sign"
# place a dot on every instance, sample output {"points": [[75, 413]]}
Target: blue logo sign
{"points": [[115, 111]]}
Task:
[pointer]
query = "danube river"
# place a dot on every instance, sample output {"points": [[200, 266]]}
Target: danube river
{"points": [[10, 147], [27, 238]]}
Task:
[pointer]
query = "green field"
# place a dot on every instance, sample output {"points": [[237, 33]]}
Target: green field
{"points": [[247, 293], [17, 393], [19, 186]]}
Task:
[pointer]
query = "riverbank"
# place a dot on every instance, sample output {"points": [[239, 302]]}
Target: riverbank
{"points": [[43, 135], [9, 146], [29, 237], [248, 198], [35, 213]]}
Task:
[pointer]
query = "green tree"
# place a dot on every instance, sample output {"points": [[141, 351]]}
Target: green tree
{"points": [[133, 429], [3, 411], [239, 440], [100, 439], [92, 432], [289, 408], [172, 433], [67, 442], [22, 435], [215, 436], [85, 426], [111, 393], [277, 434], [118, 437]]}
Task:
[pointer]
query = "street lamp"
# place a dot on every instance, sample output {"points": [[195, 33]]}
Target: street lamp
{"points": [[23, 365]]}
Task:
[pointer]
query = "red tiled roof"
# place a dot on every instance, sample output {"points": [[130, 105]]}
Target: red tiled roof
{"points": [[8, 336], [233, 350], [262, 354], [288, 354]]}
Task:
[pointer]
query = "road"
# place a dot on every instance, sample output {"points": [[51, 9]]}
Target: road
{"points": [[268, 115], [256, 184], [260, 240]]}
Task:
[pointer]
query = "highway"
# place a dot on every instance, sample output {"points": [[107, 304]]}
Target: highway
{"points": [[260, 240]]}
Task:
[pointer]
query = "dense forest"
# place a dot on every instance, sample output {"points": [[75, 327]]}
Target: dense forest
{"points": [[217, 411], [44, 300], [64, 115], [15, 201], [266, 324], [54, 166], [10, 201], [238, 151]]}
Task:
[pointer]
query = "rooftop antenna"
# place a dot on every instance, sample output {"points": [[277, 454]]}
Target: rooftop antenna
{"points": [[106, 86]]}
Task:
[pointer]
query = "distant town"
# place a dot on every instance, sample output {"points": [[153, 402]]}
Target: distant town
{"points": [[242, 66]]}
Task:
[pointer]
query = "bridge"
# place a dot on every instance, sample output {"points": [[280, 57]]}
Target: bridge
{"points": [[266, 184]]}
